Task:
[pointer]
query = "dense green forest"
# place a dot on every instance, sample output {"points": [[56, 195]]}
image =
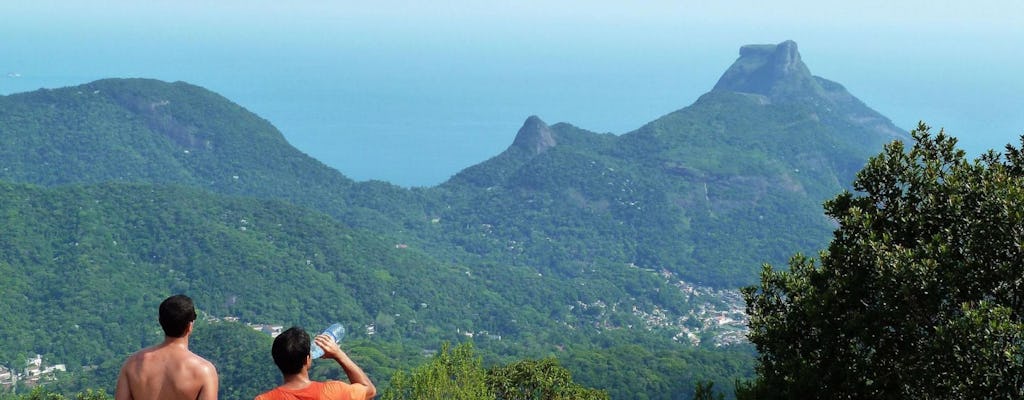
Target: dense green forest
{"points": [[618, 255]]}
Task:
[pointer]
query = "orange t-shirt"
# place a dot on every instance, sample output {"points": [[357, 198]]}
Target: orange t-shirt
{"points": [[330, 390]]}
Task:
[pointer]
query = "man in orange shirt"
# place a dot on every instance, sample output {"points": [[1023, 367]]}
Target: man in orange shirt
{"points": [[291, 354], [169, 371]]}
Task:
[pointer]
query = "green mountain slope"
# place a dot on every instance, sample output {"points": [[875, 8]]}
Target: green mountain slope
{"points": [[122, 247], [708, 192], [148, 131]]}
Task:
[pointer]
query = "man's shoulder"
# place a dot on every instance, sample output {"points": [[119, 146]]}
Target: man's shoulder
{"points": [[135, 358], [342, 389], [272, 394], [195, 361], [202, 361]]}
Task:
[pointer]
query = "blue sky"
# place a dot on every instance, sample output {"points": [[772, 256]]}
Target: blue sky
{"points": [[412, 92]]}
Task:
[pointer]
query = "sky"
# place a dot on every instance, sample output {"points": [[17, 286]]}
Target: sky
{"points": [[411, 92]]}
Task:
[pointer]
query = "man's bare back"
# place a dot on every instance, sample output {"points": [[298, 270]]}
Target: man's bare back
{"points": [[168, 371]]}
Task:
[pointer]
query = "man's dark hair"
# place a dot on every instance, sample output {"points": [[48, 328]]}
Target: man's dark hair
{"points": [[290, 350], [176, 312]]}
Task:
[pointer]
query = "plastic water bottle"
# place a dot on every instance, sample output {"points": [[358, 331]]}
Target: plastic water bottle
{"points": [[335, 331]]}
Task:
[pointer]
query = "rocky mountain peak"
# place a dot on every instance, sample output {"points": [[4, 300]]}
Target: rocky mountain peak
{"points": [[775, 71], [534, 136]]}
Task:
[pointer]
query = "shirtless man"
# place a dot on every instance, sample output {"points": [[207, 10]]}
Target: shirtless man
{"points": [[169, 371]]}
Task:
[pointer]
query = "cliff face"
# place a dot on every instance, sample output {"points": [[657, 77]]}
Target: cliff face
{"points": [[778, 75], [534, 136], [775, 71]]}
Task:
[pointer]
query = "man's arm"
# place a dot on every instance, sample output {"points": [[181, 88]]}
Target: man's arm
{"points": [[123, 390], [356, 376], [211, 382]]}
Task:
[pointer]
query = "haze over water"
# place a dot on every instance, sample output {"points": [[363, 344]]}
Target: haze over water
{"points": [[411, 93]]}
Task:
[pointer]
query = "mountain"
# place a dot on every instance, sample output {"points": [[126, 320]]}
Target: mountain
{"points": [[708, 192], [601, 249], [149, 131], [140, 130], [778, 73]]}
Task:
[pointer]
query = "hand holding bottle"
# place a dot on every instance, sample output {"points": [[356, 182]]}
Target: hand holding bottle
{"points": [[329, 346], [332, 335]]}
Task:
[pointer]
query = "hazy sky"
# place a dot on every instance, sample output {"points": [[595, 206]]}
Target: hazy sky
{"points": [[413, 91]]}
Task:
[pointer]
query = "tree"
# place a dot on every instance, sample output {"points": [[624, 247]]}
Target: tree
{"points": [[919, 294], [459, 374], [538, 380], [706, 391], [452, 374], [42, 393]]}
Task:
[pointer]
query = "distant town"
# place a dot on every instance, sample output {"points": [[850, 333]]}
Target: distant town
{"points": [[717, 317], [36, 371]]}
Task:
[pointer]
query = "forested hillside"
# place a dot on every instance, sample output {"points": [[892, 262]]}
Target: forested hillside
{"points": [[617, 254]]}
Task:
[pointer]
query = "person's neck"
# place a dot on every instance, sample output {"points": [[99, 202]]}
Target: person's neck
{"points": [[296, 381], [181, 342]]}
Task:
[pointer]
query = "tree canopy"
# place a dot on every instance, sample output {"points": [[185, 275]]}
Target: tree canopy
{"points": [[459, 374], [919, 294]]}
